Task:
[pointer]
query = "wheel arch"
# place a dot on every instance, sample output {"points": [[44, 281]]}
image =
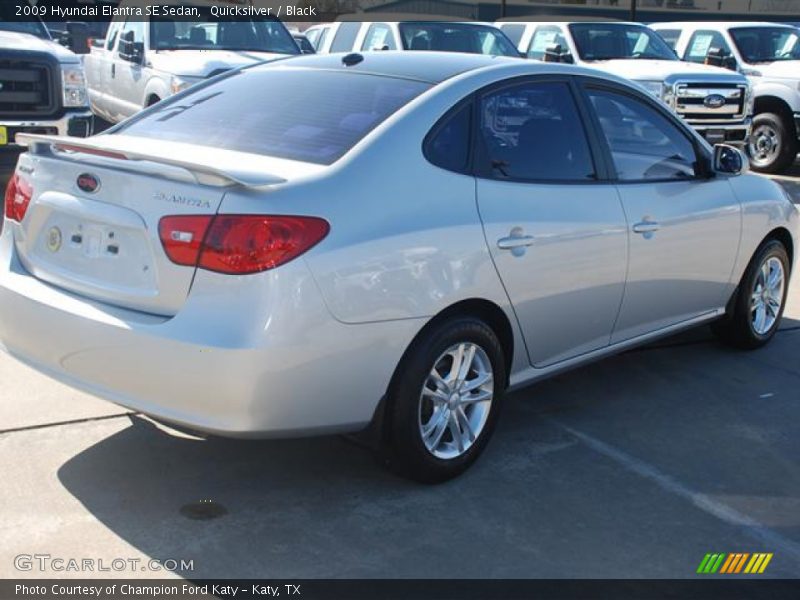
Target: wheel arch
{"points": [[774, 104], [485, 310], [782, 235]]}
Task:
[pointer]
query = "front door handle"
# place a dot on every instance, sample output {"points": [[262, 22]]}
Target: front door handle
{"points": [[646, 227], [515, 241]]}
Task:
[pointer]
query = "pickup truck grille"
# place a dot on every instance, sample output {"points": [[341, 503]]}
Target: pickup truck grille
{"points": [[695, 101], [28, 86]]}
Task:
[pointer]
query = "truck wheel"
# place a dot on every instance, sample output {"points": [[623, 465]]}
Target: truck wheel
{"points": [[773, 143], [759, 301], [444, 401]]}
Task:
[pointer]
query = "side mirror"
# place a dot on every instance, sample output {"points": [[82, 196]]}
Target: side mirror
{"points": [[129, 50], [719, 57], [556, 53], [729, 160], [76, 37]]}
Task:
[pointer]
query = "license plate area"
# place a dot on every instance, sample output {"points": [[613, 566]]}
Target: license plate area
{"points": [[108, 257], [715, 136]]}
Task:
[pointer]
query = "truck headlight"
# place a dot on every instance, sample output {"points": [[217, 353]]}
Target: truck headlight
{"points": [[750, 101], [656, 88], [74, 86], [181, 83]]}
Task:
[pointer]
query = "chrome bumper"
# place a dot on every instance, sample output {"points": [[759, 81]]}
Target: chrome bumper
{"points": [[77, 123], [717, 133]]}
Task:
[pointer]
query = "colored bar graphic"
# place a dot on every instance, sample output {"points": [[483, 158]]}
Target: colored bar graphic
{"points": [[765, 563], [703, 563], [727, 564], [734, 563]]}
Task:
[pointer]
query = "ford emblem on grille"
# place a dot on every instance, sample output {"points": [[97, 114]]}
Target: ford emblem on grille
{"points": [[714, 101], [88, 183]]}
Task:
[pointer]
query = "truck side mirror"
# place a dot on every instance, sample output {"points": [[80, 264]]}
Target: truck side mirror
{"points": [[130, 50], [556, 53], [76, 37], [719, 57]]}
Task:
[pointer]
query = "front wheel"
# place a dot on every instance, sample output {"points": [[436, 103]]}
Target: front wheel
{"points": [[760, 299], [445, 400], [773, 143]]}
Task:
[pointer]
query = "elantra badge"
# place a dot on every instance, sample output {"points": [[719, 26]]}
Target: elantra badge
{"points": [[54, 239], [714, 101], [88, 183]]}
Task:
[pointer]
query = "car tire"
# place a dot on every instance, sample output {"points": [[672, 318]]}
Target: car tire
{"points": [[756, 310], [423, 406], [773, 144]]}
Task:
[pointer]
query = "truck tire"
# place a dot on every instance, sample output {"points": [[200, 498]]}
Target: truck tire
{"points": [[773, 143]]}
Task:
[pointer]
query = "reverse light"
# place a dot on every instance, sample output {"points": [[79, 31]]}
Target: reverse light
{"points": [[74, 86], [18, 196], [239, 244]]}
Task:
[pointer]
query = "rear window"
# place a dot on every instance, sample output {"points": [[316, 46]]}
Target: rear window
{"points": [[299, 114]]}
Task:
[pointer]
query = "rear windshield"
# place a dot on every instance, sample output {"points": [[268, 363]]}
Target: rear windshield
{"points": [[456, 37], [300, 114]]}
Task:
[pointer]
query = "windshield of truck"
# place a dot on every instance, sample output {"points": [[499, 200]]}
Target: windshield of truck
{"points": [[8, 22], [608, 41], [456, 37], [243, 35], [767, 44]]}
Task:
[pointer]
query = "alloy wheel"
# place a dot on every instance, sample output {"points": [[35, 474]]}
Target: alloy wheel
{"points": [[767, 295], [455, 401]]}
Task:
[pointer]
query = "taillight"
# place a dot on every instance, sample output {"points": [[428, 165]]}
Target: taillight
{"points": [[239, 244], [18, 196]]}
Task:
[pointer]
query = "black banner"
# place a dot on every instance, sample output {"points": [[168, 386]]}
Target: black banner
{"points": [[375, 589]]}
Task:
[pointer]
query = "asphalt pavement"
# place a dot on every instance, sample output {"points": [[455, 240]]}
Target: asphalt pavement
{"points": [[636, 466]]}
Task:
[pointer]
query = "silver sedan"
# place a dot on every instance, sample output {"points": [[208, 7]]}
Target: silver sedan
{"points": [[392, 240]]}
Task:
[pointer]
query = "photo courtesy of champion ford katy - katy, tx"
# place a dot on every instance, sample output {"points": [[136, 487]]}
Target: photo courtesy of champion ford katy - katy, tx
{"points": [[399, 299]]}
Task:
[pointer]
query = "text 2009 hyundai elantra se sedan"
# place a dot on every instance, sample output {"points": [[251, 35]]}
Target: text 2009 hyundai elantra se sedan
{"points": [[323, 243]]}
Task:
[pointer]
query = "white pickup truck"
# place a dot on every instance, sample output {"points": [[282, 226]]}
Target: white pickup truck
{"points": [[715, 101], [42, 86], [146, 59], [769, 55]]}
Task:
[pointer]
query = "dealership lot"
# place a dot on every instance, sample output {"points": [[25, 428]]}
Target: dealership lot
{"points": [[636, 466]]}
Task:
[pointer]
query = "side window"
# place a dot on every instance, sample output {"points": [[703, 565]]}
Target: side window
{"points": [[448, 146], [533, 131], [670, 36], [703, 41], [133, 31], [514, 32], [379, 37], [543, 38], [323, 34], [345, 36], [645, 145], [111, 36]]}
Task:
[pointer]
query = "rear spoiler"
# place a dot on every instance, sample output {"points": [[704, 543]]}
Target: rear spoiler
{"points": [[203, 174]]}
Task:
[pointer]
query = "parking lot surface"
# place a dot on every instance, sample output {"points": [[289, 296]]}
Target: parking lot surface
{"points": [[636, 466]]}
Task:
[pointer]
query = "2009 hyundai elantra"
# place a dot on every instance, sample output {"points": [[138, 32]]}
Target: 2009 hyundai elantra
{"points": [[322, 243]]}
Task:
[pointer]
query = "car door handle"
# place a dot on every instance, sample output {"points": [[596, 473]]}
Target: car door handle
{"points": [[515, 241], [646, 227]]}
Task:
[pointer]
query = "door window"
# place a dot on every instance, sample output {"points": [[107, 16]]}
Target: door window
{"points": [[533, 132], [701, 42], [379, 37], [544, 38], [645, 145], [133, 32], [345, 36]]}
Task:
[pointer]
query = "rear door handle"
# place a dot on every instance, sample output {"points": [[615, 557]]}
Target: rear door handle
{"points": [[515, 241], [646, 227]]}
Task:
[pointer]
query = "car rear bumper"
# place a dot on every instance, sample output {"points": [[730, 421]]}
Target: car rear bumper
{"points": [[259, 356]]}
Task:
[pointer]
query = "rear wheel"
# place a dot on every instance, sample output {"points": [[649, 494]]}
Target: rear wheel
{"points": [[760, 299], [773, 143], [445, 400]]}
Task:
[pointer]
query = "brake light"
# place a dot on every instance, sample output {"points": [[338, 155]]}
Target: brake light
{"points": [[18, 196], [239, 244]]}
